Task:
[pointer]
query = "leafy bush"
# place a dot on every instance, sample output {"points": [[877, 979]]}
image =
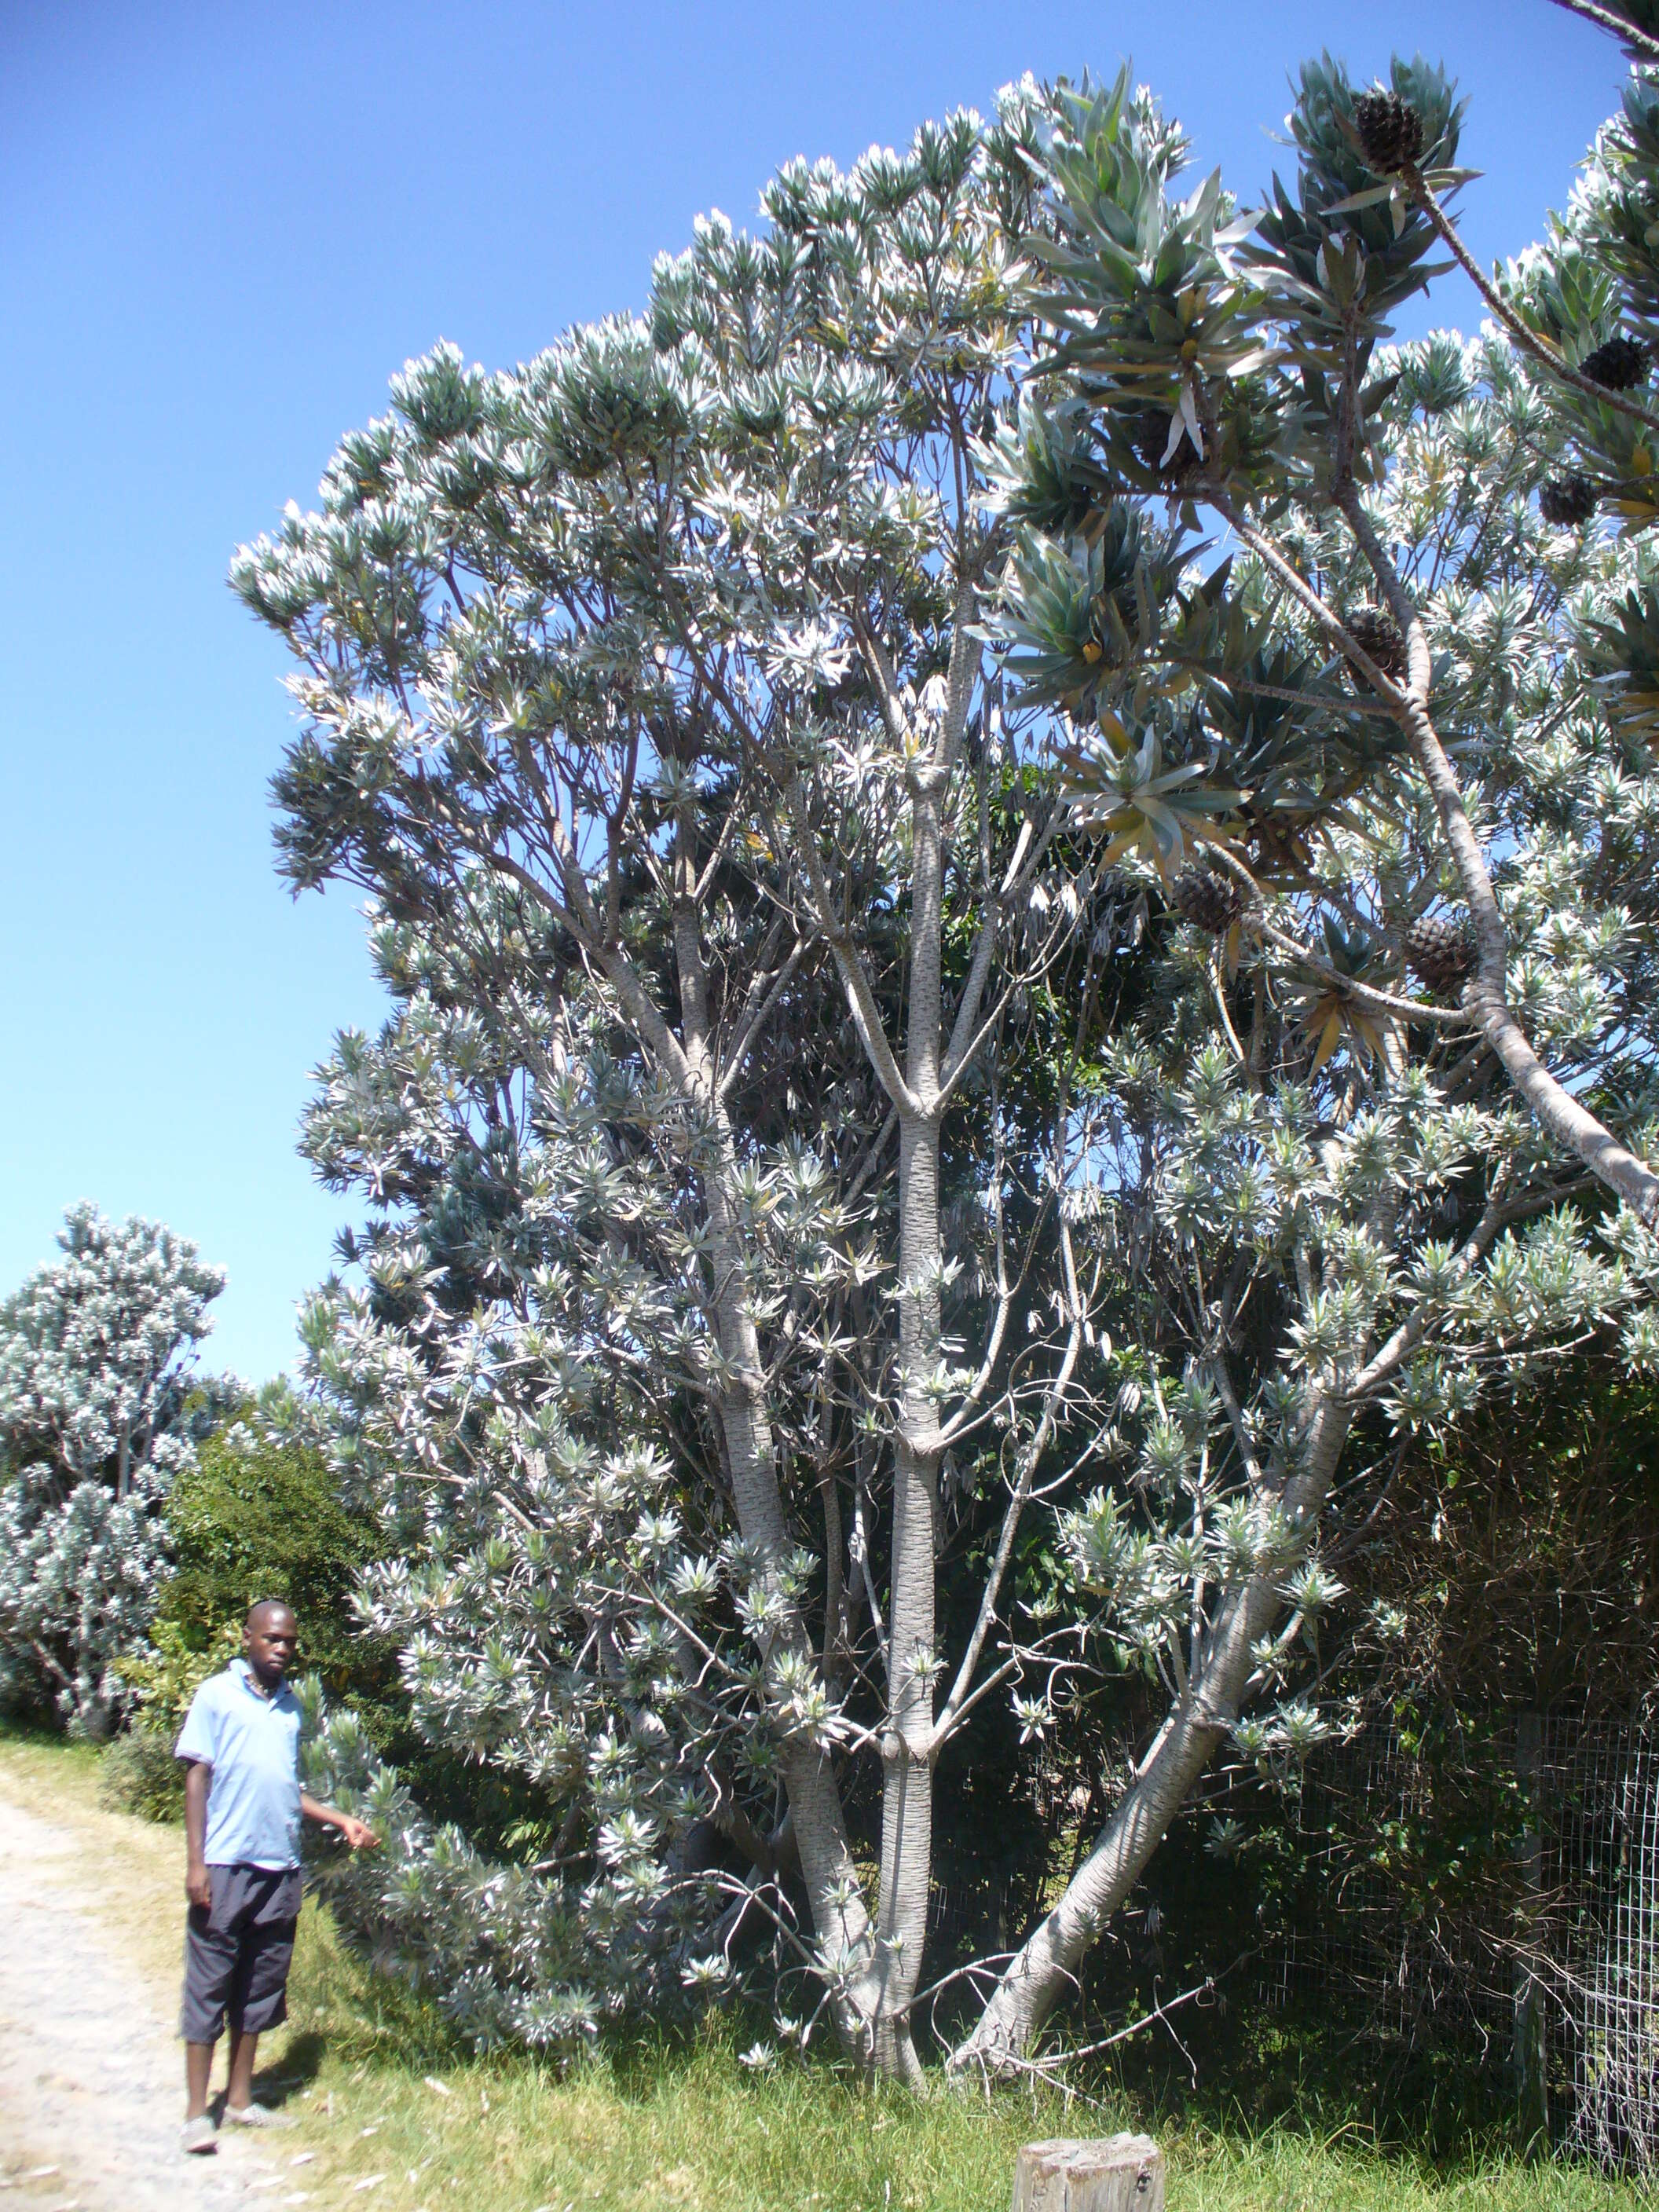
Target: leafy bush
{"points": [[166, 1674], [259, 1515], [139, 1774]]}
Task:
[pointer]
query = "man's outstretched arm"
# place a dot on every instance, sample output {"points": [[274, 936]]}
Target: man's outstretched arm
{"points": [[357, 1833], [199, 1883]]}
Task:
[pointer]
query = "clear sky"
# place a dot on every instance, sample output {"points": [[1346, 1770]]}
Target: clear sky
{"points": [[222, 226]]}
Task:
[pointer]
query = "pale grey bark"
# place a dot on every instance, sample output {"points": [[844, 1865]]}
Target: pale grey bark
{"points": [[1045, 1966], [1639, 41], [839, 1917], [931, 744], [1553, 1105], [907, 1735], [1531, 342], [907, 1747], [1554, 1108]]}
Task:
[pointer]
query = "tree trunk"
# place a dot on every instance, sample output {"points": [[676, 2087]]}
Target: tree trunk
{"points": [[839, 1917], [1046, 1966], [906, 1804], [834, 1892], [908, 1744], [906, 1750]]}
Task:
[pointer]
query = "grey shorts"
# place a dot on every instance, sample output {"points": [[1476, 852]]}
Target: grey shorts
{"points": [[238, 1950]]}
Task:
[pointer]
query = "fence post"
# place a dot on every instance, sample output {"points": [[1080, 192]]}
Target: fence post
{"points": [[1115, 2173], [1531, 2086]]}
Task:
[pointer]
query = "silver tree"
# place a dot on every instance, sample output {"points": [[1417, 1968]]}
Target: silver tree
{"points": [[98, 1412], [646, 690], [1395, 593]]}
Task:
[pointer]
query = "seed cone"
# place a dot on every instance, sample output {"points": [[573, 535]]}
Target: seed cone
{"points": [[1390, 132], [1212, 902], [1566, 502], [1438, 950], [1620, 365], [1377, 634]]}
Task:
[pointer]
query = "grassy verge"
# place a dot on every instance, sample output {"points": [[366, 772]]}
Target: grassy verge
{"points": [[692, 2130], [392, 2119]]}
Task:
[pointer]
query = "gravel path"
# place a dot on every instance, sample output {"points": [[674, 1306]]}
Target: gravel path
{"points": [[91, 2070]]}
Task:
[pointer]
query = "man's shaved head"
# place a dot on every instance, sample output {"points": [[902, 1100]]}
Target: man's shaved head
{"points": [[271, 1636]]}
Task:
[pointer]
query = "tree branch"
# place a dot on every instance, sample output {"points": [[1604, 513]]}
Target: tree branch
{"points": [[1529, 341], [1553, 1106], [1604, 19], [958, 1701], [744, 1044], [860, 992]]}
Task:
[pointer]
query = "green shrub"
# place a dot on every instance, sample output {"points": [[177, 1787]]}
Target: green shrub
{"points": [[139, 1774], [260, 1515], [173, 1665]]}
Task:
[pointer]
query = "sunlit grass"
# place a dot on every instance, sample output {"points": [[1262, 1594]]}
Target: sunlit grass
{"points": [[377, 2089], [695, 2129]]}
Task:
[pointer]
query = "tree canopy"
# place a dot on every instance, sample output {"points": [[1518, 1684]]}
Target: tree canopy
{"points": [[99, 1413], [1013, 857]]}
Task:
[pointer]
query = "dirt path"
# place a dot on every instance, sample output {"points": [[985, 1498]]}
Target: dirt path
{"points": [[90, 2066]]}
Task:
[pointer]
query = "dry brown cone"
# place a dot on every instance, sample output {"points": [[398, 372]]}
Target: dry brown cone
{"points": [[1378, 635], [1390, 132], [1150, 436], [1208, 900], [1281, 850], [1440, 951], [1620, 365], [1567, 502]]}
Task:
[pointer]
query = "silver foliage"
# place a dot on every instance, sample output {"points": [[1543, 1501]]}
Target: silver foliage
{"points": [[97, 1417]]}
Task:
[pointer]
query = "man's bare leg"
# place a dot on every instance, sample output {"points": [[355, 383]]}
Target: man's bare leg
{"points": [[198, 2071], [243, 2047]]}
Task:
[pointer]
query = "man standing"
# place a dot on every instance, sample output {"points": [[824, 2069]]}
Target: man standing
{"points": [[243, 1805]]}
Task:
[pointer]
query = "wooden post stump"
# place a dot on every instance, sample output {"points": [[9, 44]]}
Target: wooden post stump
{"points": [[1116, 2174]]}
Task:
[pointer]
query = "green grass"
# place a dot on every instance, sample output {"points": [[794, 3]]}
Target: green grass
{"points": [[640, 2124], [693, 2129]]}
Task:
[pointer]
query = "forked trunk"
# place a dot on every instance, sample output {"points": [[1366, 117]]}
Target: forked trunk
{"points": [[907, 1746], [1045, 1967], [907, 1749], [839, 1919]]}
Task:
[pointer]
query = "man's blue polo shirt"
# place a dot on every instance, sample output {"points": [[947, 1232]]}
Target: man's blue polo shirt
{"points": [[251, 1743]]}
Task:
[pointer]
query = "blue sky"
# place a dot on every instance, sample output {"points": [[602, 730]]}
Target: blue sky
{"points": [[222, 228]]}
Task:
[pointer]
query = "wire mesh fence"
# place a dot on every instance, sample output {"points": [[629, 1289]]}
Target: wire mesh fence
{"points": [[1609, 1864], [1541, 1954]]}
